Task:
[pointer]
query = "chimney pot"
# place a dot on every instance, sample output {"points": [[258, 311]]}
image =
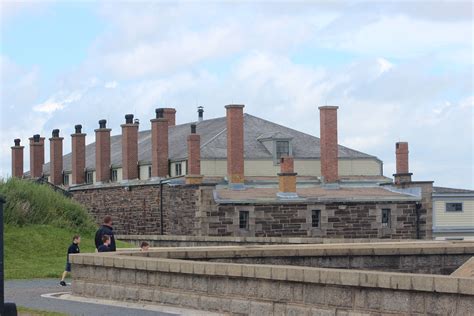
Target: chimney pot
{"points": [[55, 133], [129, 119], [193, 128], [17, 159], [159, 112], [102, 123], [17, 142], [200, 113], [36, 138], [78, 129]]}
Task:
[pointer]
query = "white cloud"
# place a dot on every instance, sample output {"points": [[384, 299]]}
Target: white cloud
{"points": [[58, 102], [111, 85]]}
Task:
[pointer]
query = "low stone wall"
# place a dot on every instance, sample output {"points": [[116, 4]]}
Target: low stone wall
{"points": [[202, 241], [173, 276]]}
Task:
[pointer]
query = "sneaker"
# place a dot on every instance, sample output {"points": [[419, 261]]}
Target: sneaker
{"points": [[62, 283]]}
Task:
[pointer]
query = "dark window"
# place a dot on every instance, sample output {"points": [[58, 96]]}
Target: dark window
{"points": [[149, 171], [282, 149], [114, 175], [177, 169], [315, 218], [89, 177], [453, 207], [66, 179], [244, 220], [385, 217]]}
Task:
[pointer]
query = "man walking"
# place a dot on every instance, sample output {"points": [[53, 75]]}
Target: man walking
{"points": [[105, 229]]}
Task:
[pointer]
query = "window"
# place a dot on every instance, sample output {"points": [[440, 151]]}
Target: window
{"points": [[282, 149], [149, 171], [66, 179], [177, 169], [89, 177], [114, 175], [315, 218], [386, 217], [453, 207], [244, 220]]}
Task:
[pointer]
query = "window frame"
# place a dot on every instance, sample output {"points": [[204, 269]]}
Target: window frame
{"points": [[66, 176], [388, 224], [453, 211], [178, 165], [318, 218], [91, 173], [246, 219], [112, 178]]}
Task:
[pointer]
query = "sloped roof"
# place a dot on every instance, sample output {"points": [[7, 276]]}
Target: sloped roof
{"points": [[443, 190], [214, 143]]}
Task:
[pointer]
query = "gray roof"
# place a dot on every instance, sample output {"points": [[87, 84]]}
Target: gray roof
{"points": [[442, 190], [214, 143]]}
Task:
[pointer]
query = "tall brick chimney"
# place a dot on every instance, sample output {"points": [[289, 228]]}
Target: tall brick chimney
{"points": [[403, 174], [129, 149], [235, 145], [78, 160], [56, 158], [170, 115], [102, 153], [328, 143], [36, 156], [287, 178], [159, 145], [17, 159], [194, 157]]}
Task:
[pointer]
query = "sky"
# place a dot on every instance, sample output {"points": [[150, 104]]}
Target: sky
{"points": [[399, 71]]}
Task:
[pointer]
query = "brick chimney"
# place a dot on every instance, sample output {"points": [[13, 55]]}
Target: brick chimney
{"points": [[170, 115], [17, 159], [159, 145], [403, 174], [194, 157], [287, 178], [235, 145], [78, 160], [328, 143], [36, 156], [56, 158], [102, 153], [200, 113], [129, 149]]}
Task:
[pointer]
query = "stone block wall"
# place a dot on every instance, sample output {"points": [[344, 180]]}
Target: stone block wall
{"points": [[337, 220], [136, 209]]}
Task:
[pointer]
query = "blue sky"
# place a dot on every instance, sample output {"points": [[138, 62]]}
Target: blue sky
{"points": [[397, 70]]}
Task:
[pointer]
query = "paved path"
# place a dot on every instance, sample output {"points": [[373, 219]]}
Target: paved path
{"points": [[28, 293]]}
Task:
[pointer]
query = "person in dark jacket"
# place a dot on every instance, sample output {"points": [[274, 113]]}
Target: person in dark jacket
{"points": [[105, 229], [105, 247], [73, 248]]}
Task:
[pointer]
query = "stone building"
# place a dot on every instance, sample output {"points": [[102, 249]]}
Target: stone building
{"points": [[237, 175]]}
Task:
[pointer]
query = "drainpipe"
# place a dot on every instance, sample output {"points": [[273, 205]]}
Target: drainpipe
{"points": [[164, 181], [418, 207]]}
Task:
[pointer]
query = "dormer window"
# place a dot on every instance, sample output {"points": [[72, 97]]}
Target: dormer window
{"points": [[282, 148]]}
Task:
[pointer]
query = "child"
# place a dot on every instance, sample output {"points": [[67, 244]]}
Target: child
{"points": [[73, 248], [105, 244], [144, 246]]}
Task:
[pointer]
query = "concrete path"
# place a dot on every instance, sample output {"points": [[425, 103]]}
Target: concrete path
{"points": [[28, 293]]}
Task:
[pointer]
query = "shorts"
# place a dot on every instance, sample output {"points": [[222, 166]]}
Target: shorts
{"points": [[68, 267]]}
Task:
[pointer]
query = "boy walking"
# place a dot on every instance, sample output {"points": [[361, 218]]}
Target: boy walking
{"points": [[73, 248]]}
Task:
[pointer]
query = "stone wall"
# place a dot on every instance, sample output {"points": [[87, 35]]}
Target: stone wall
{"points": [[191, 210], [174, 277], [136, 209], [338, 220]]}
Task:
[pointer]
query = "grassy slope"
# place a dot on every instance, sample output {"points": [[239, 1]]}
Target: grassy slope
{"points": [[39, 251], [23, 311]]}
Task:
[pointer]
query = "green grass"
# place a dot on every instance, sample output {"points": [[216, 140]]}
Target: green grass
{"points": [[36, 312], [31, 203], [39, 251]]}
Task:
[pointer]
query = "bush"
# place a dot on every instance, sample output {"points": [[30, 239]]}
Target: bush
{"points": [[29, 203]]}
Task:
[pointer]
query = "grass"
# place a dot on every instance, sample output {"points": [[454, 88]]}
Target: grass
{"points": [[31, 203], [39, 251], [24, 311]]}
